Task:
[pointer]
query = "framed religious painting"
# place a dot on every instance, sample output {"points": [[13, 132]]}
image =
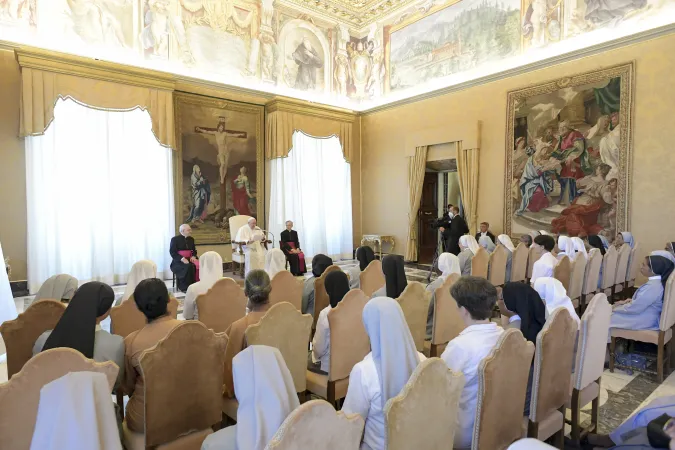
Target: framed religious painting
{"points": [[568, 155], [219, 165]]}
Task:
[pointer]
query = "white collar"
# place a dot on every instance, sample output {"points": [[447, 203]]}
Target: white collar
{"points": [[655, 277], [479, 327]]}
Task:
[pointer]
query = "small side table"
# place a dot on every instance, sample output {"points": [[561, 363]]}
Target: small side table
{"points": [[377, 240]]}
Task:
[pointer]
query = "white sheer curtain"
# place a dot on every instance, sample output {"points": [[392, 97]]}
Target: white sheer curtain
{"points": [[100, 195], [312, 187]]}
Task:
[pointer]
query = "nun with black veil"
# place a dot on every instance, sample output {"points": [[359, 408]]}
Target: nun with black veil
{"points": [[319, 265], [364, 255], [394, 276]]}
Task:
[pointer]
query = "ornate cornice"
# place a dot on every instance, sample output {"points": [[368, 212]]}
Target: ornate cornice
{"points": [[300, 107], [356, 14]]}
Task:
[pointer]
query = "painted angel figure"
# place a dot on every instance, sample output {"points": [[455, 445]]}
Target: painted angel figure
{"points": [[95, 21]]}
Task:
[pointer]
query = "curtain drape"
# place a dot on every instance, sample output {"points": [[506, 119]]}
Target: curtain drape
{"points": [[312, 187], [416, 168], [40, 89], [467, 171], [99, 195]]}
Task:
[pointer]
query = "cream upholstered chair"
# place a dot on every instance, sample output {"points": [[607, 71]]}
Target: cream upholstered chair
{"points": [[479, 263], [236, 222], [181, 403], [519, 263], [286, 288], [21, 333], [349, 344], [221, 305], [57, 287], [316, 425], [502, 386], [633, 269], [577, 279], [431, 394], [372, 278], [414, 301], [447, 323], [623, 256], [609, 270], [553, 359], [660, 337], [321, 299], [591, 276], [497, 264], [126, 318], [20, 396], [590, 363], [532, 257], [563, 272]]}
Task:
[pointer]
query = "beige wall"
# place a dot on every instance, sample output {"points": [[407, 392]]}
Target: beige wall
{"points": [[385, 133]]}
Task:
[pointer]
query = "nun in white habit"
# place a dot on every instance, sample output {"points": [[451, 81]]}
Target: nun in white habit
{"points": [[7, 305], [141, 270], [447, 264], [468, 247], [566, 247], [275, 262], [57, 287], [264, 388], [251, 236], [384, 371], [506, 241], [210, 271], [554, 295], [579, 246]]}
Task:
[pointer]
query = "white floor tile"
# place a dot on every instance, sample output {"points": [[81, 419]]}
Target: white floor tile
{"points": [[604, 395], [616, 381]]}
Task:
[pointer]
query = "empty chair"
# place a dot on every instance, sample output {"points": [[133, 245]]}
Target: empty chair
{"points": [[447, 321], [519, 263], [592, 275], [623, 256], [372, 278], [497, 266], [577, 279], [286, 288], [58, 287], [563, 271], [608, 270], [414, 302], [479, 263], [222, 305], [126, 318], [432, 392]]}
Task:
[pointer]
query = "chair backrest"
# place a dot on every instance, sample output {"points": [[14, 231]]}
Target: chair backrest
{"points": [[577, 278], [667, 319], [20, 396], [287, 329], [497, 263], [447, 322], [563, 272], [414, 301], [533, 256], [21, 333], [592, 271], [432, 392], [315, 425], [593, 332], [623, 255], [183, 376], [321, 299], [57, 287], [222, 305], [126, 318], [286, 288], [609, 267], [235, 223], [502, 384], [519, 263], [479, 263], [553, 364], [349, 342], [633, 265], [372, 278]]}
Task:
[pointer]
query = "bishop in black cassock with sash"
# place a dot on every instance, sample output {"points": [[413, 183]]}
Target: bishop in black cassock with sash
{"points": [[290, 245], [184, 264]]}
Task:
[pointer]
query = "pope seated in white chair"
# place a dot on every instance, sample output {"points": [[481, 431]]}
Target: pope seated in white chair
{"points": [[252, 239]]}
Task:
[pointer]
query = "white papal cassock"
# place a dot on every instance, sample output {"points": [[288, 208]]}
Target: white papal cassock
{"points": [[254, 252]]}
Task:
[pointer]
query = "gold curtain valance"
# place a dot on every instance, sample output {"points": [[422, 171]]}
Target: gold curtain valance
{"points": [[40, 89], [281, 125]]}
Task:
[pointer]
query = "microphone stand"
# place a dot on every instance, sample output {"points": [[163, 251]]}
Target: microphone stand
{"points": [[269, 232]]}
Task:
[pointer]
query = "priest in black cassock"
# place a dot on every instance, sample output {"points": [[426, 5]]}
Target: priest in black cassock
{"points": [[458, 228], [290, 245], [185, 264]]}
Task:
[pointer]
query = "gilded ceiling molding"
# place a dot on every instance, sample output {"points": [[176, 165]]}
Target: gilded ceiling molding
{"points": [[357, 14], [311, 109]]}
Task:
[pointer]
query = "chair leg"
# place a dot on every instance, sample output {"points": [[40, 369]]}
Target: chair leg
{"points": [[433, 350], [659, 358], [532, 429], [575, 434], [560, 435], [331, 393], [612, 349], [595, 410], [120, 403]]}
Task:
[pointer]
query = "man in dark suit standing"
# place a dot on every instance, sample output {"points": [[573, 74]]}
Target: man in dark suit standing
{"points": [[458, 228], [485, 231], [290, 245], [184, 264]]}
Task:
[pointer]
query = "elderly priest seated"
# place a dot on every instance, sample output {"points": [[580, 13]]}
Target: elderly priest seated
{"points": [[291, 247], [184, 264]]}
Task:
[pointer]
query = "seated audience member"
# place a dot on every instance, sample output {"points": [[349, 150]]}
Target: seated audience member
{"points": [[643, 311], [554, 295], [152, 299], [337, 286], [365, 255], [487, 244], [57, 287], [319, 265], [257, 288], [595, 242], [544, 266], [184, 258], [605, 241], [666, 254], [566, 247], [506, 241], [447, 264], [527, 240], [210, 271], [394, 277], [275, 262], [290, 245], [384, 371], [79, 327], [266, 396], [141, 270], [475, 298], [468, 248], [624, 237], [579, 246], [485, 231]]}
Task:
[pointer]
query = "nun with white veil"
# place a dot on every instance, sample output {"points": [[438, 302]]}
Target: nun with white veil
{"points": [[506, 241], [275, 262], [468, 247], [251, 237], [384, 371], [141, 270], [264, 388], [447, 264], [487, 244], [57, 287], [554, 295], [7, 305], [579, 246], [566, 247], [210, 271]]}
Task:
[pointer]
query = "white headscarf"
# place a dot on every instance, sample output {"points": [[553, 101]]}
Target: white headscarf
{"points": [[486, 243], [141, 270], [666, 254], [544, 233], [75, 412], [264, 388], [530, 444], [579, 246], [57, 287], [210, 268], [275, 262], [506, 242], [628, 238], [392, 346], [553, 293], [534, 234], [468, 241], [566, 245], [448, 264]]}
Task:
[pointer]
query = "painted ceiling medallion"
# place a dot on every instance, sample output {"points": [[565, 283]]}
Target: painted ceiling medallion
{"points": [[356, 14]]}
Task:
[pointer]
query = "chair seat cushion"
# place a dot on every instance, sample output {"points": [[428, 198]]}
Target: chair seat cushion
{"points": [[318, 384], [587, 394], [230, 407], [649, 336], [192, 441], [548, 426]]}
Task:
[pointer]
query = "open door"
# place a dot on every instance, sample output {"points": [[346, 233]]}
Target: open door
{"points": [[428, 212]]}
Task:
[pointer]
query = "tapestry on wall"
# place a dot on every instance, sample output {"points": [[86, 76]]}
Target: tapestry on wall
{"points": [[568, 146], [220, 166]]}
